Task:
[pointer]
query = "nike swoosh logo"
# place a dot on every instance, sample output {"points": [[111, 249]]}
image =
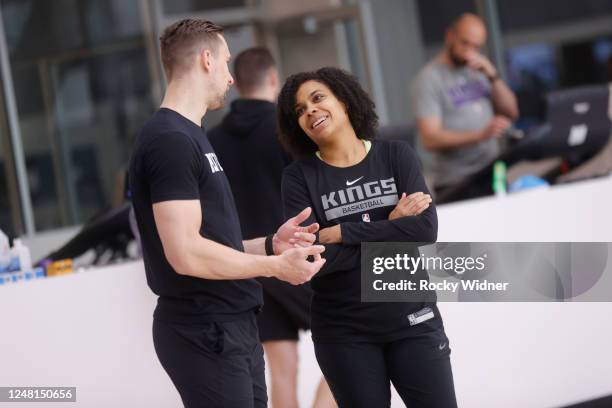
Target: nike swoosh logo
{"points": [[442, 346], [350, 183]]}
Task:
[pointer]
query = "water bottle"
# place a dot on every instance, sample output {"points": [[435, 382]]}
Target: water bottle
{"points": [[21, 259], [5, 253], [499, 178]]}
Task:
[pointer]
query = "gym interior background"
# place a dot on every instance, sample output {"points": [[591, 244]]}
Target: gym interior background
{"points": [[79, 77]]}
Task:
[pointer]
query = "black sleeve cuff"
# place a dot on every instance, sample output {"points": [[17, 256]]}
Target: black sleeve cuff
{"points": [[268, 245]]}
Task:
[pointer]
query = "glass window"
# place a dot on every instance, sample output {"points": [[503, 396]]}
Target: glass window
{"points": [[552, 46], [532, 72], [83, 89], [521, 14], [587, 62], [188, 6], [10, 221], [437, 15]]}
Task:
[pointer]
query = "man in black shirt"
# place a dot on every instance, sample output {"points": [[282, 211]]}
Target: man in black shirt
{"points": [[253, 160], [204, 327]]}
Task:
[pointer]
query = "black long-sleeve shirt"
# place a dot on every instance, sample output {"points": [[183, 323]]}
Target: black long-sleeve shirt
{"points": [[360, 199]]}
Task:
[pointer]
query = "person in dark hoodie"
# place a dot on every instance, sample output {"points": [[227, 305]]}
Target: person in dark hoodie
{"points": [[248, 149]]}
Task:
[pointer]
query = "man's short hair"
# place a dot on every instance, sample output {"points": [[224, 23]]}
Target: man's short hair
{"points": [[181, 40], [465, 16], [251, 67]]}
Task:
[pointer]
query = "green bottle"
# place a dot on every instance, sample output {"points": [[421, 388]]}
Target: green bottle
{"points": [[499, 178]]}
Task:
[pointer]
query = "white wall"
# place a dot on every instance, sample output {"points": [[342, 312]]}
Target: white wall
{"points": [[530, 354], [93, 330]]}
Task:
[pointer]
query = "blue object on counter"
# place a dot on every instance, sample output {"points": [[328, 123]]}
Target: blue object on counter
{"points": [[14, 277], [39, 273], [527, 182]]}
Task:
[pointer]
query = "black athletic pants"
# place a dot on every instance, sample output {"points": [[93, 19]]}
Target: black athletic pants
{"points": [[214, 364], [359, 374]]}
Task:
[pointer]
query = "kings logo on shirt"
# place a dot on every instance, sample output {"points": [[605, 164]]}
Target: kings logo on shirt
{"points": [[360, 198], [215, 166]]}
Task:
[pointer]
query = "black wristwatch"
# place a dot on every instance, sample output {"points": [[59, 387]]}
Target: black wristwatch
{"points": [[494, 78]]}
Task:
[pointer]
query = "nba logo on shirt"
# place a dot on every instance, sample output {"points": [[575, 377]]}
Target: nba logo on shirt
{"points": [[365, 217], [215, 166]]}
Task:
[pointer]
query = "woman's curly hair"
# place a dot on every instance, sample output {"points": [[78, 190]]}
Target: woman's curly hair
{"points": [[346, 88]]}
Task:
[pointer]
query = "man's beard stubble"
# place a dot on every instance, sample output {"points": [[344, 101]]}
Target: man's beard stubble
{"points": [[455, 60], [218, 102], [216, 105]]}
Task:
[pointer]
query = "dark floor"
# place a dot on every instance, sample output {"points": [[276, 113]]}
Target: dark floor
{"points": [[604, 402]]}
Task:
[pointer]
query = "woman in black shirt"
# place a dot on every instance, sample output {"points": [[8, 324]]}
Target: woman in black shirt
{"points": [[361, 190]]}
